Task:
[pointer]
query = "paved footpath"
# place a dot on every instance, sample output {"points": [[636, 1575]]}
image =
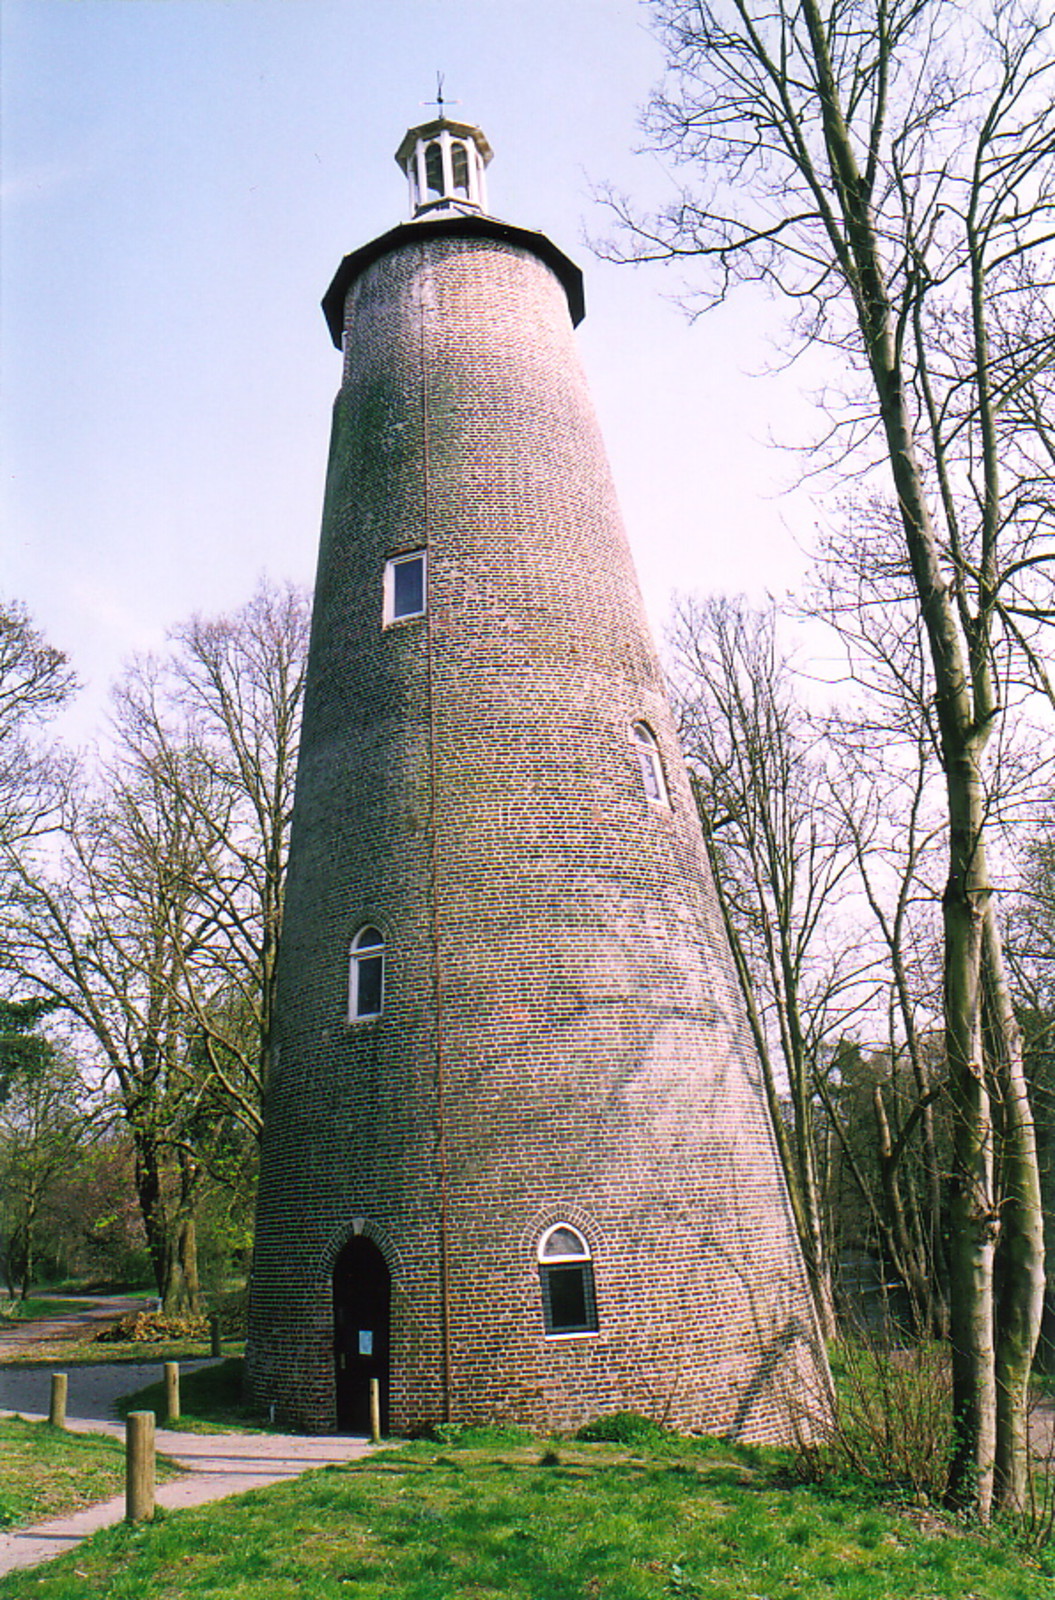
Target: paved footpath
{"points": [[216, 1464]]}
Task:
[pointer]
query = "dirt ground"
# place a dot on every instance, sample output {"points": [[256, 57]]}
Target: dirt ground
{"points": [[105, 1308]]}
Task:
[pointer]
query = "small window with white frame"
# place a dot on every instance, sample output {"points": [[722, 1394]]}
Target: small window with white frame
{"points": [[651, 765], [366, 976], [405, 587], [565, 1265]]}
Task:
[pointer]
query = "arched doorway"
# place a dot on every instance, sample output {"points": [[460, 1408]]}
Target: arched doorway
{"points": [[362, 1289]]}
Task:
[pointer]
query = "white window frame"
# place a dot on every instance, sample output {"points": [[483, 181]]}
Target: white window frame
{"points": [[362, 951], [390, 617], [582, 1258], [650, 763]]}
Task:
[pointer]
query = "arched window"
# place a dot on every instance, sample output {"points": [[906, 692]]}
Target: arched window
{"points": [[650, 763], [460, 164], [566, 1274], [434, 168], [366, 978]]}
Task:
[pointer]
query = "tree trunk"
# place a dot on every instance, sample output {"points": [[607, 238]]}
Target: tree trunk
{"points": [[1020, 1252], [972, 1216], [906, 1257], [817, 1264], [181, 1295], [27, 1266], [179, 1289], [148, 1194], [181, 1292]]}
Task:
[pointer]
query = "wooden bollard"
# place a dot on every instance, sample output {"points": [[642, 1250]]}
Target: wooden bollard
{"points": [[172, 1391], [57, 1414], [140, 1469], [375, 1410], [214, 1334]]}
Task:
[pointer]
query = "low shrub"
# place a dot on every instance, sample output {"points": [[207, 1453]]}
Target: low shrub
{"points": [[152, 1327], [893, 1418], [232, 1309], [624, 1427]]}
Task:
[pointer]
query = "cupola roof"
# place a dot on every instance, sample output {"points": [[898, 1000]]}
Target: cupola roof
{"points": [[445, 162]]}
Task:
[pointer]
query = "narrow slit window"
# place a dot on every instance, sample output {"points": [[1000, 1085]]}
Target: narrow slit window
{"points": [[405, 580], [460, 166], [649, 761], [434, 169], [366, 997], [569, 1304]]}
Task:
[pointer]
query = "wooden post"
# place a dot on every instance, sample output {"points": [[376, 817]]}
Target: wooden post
{"points": [[57, 1414], [172, 1391], [214, 1334], [375, 1410], [139, 1466]]}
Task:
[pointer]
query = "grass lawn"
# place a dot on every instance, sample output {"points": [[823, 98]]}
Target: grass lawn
{"points": [[67, 1352], [210, 1401], [487, 1518], [48, 1472]]}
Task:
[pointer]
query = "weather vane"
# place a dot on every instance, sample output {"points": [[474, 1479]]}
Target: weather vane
{"points": [[439, 101]]}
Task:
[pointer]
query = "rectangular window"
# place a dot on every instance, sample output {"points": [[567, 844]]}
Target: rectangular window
{"points": [[568, 1298], [405, 587], [370, 987]]}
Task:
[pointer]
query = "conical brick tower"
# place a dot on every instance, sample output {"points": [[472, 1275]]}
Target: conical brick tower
{"points": [[517, 1159]]}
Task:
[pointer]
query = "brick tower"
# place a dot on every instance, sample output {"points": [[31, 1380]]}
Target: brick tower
{"points": [[517, 1159]]}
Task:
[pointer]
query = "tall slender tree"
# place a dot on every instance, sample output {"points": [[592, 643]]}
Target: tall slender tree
{"points": [[888, 166]]}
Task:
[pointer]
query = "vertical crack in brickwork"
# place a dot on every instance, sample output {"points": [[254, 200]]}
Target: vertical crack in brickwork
{"points": [[434, 846]]}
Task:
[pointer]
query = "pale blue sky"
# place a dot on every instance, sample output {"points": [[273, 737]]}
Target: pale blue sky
{"points": [[181, 178]]}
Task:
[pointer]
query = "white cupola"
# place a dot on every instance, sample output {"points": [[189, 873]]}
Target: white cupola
{"points": [[444, 162]]}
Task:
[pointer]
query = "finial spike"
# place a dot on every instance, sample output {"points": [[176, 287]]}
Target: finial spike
{"points": [[439, 101]]}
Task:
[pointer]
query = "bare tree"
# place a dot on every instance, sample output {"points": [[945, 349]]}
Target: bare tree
{"points": [[43, 1123], [779, 855], [157, 930], [35, 682], [99, 932], [888, 166], [221, 717]]}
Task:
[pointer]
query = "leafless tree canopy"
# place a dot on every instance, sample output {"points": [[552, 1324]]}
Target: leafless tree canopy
{"points": [[35, 681]]}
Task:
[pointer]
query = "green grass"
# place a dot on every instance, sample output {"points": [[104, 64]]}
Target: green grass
{"points": [[543, 1521], [210, 1400], [48, 1472], [71, 1352], [37, 1310]]}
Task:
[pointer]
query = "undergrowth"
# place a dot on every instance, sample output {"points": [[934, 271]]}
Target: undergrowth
{"points": [[893, 1429]]}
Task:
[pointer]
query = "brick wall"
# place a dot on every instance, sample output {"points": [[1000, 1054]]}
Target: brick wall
{"points": [[562, 1031]]}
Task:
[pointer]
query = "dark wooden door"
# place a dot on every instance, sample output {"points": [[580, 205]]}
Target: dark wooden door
{"points": [[362, 1291]]}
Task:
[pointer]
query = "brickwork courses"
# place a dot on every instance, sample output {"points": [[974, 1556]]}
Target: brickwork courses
{"points": [[562, 1039]]}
